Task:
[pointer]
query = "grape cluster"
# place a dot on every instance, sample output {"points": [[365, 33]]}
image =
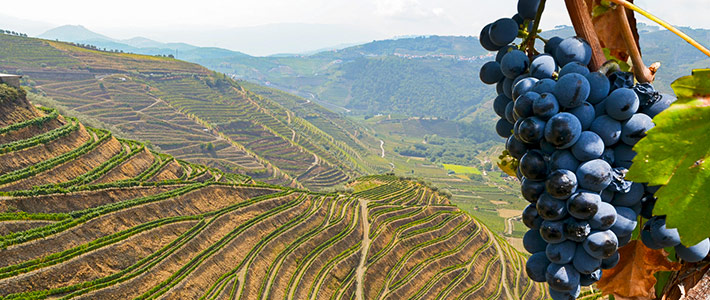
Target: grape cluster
{"points": [[572, 132]]}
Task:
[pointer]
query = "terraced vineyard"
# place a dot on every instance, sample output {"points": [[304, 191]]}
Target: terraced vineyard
{"points": [[86, 215], [189, 112]]}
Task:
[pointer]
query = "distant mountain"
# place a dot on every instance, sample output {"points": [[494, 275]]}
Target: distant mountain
{"points": [[73, 33]]}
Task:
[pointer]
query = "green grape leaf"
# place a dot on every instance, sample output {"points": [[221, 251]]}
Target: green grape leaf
{"points": [[676, 154]]}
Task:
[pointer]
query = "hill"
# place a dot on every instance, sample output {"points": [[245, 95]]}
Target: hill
{"points": [[188, 111], [86, 215], [202, 117]]}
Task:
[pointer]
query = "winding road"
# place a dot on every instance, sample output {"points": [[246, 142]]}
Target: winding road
{"points": [[382, 146]]}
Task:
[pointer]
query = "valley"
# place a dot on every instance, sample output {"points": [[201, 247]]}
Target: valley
{"points": [[142, 224]]}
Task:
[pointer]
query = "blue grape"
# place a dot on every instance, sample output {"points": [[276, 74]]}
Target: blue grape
{"points": [[576, 230], [600, 108], [623, 240], [573, 49], [594, 175], [552, 44], [589, 279], [647, 93], [518, 19], [552, 231], [635, 128], [623, 155], [663, 236], [503, 31], [608, 129], [605, 217], [561, 253], [508, 87], [563, 159], [503, 51], [522, 86], [611, 262], [514, 63], [625, 221], [566, 295], [527, 9], [583, 205], [499, 105], [485, 39], [531, 130], [607, 195], [631, 198], [572, 90], [546, 147], [509, 112], [504, 128], [490, 73], [545, 85], [599, 87], [563, 278], [585, 113], [622, 104], [533, 165], [563, 130], [656, 108], [601, 244], [536, 266], [546, 106], [551, 209], [608, 156], [533, 242], [648, 240], [589, 146], [585, 263], [515, 147], [543, 66], [619, 80], [647, 205], [694, 253], [531, 189], [561, 184], [531, 219], [574, 67], [523, 105]]}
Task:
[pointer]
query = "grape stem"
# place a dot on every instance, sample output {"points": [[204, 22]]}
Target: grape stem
{"points": [[530, 41], [642, 73], [670, 27], [583, 26]]}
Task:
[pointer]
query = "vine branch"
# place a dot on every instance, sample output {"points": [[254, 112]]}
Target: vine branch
{"points": [[668, 26], [643, 74], [584, 28]]}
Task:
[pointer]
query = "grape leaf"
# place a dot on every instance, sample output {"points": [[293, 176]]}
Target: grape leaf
{"points": [[676, 154], [608, 30], [632, 277]]}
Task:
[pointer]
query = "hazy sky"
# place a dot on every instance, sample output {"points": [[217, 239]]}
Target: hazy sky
{"points": [[384, 18]]}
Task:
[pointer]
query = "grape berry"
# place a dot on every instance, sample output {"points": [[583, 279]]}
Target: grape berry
{"points": [[572, 131]]}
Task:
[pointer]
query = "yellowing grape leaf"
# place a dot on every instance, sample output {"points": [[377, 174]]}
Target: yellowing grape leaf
{"points": [[633, 277], [676, 154], [606, 24]]}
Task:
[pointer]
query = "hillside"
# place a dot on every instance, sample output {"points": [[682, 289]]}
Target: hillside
{"points": [[86, 215], [187, 111]]}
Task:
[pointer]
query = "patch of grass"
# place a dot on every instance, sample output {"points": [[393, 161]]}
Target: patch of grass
{"points": [[458, 169]]}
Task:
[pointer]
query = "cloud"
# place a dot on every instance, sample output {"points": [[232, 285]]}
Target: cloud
{"points": [[411, 10]]}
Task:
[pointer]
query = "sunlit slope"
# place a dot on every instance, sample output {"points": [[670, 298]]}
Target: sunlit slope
{"points": [[103, 218], [187, 111]]}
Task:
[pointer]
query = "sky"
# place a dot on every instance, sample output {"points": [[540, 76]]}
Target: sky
{"points": [[178, 20]]}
